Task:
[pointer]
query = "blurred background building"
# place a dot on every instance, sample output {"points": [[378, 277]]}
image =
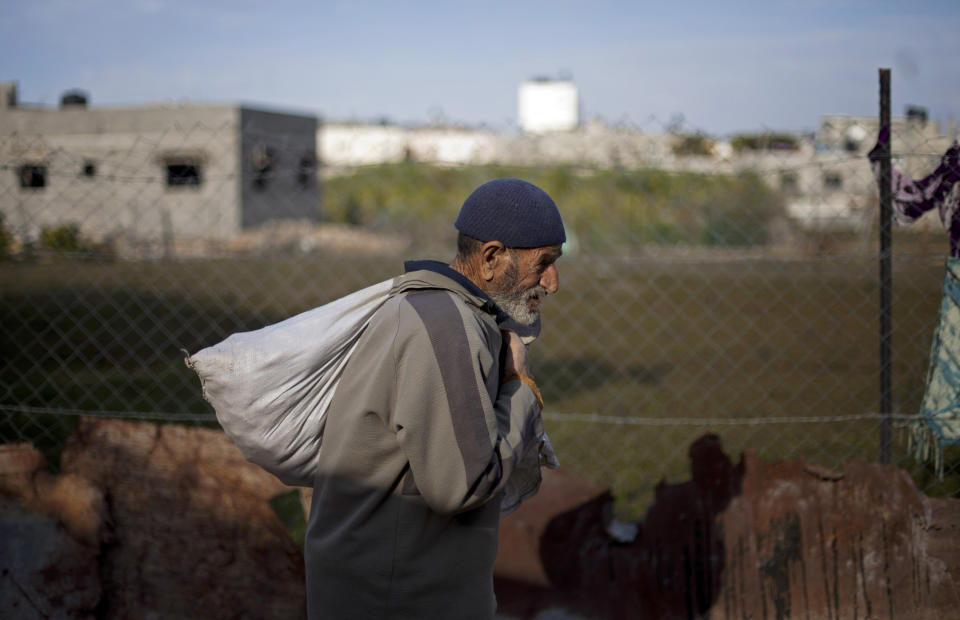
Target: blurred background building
{"points": [[153, 172], [269, 165]]}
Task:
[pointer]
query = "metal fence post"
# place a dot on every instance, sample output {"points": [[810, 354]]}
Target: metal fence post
{"points": [[886, 313]]}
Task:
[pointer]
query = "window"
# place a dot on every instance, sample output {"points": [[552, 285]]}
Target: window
{"points": [[89, 169], [832, 180], [262, 160], [788, 181], [305, 171], [850, 145], [33, 176], [183, 174]]}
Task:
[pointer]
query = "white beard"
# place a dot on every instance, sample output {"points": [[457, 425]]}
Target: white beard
{"points": [[517, 305]]}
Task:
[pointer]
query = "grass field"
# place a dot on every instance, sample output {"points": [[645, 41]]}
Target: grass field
{"points": [[684, 343]]}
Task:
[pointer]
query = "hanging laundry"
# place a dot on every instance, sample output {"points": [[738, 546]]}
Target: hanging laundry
{"points": [[938, 425], [939, 189]]}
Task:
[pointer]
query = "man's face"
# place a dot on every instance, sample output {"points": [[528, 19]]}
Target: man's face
{"points": [[531, 275]]}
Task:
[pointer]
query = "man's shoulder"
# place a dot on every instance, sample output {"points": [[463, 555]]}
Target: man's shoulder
{"points": [[443, 313], [434, 305]]}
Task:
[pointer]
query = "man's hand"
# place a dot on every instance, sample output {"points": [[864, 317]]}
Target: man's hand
{"points": [[513, 360], [514, 354]]}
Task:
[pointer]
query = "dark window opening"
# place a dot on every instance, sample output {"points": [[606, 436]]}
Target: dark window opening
{"points": [[261, 177], [305, 171], [89, 169], [33, 176], [832, 180], [262, 159], [788, 182], [183, 174]]}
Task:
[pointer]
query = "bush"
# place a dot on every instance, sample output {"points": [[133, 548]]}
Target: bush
{"points": [[764, 142], [61, 238], [692, 144], [68, 240], [6, 239]]}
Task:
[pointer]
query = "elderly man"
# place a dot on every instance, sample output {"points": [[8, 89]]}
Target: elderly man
{"points": [[435, 407]]}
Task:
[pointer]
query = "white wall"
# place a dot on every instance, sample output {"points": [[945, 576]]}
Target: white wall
{"points": [[360, 145]]}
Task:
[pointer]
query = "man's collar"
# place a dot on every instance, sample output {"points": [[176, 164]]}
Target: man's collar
{"points": [[449, 272]]}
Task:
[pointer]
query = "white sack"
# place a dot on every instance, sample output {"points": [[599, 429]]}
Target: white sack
{"points": [[271, 387]]}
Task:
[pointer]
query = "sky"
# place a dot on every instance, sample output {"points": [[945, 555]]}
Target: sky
{"points": [[715, 67]]}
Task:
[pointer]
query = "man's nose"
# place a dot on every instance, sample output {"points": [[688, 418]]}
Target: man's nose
{"points": [[550, 279]]}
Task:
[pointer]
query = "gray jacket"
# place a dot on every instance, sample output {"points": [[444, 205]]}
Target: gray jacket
{"points": [[419, 441]]}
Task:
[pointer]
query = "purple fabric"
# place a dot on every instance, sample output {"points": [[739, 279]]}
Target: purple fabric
{"points": [[940, 189]]}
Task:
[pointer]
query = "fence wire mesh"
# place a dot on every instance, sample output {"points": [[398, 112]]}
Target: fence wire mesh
{"points": [[706, 287]]}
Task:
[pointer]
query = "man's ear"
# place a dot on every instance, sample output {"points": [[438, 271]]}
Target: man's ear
{"points": [[493, 258]]}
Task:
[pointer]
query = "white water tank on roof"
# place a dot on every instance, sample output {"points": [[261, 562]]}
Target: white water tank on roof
{"points": [[548, 105]]}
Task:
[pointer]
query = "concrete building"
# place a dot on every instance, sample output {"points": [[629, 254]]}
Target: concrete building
{"points": [[835, 187], [822, 190], [152, 174], [917, 143], [545, 105]]}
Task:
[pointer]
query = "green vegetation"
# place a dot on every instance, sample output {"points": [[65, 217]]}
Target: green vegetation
{"points": [[764, 142], [606, 211], [67, 240], [62, 238], [692, 144], [6, 239]]}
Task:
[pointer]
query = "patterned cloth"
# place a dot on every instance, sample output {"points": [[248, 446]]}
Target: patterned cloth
{"points": [[939, 423], [940, 412], [940, 189]]}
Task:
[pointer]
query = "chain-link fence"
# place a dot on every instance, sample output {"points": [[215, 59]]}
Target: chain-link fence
{"points": [[706, 287]]}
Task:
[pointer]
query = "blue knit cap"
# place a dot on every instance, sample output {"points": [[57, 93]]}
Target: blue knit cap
{"points": [[512, 211]]}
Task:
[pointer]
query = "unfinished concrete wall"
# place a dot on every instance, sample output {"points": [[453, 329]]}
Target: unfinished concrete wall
{"points": [[106, 171], [278, 167]]}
